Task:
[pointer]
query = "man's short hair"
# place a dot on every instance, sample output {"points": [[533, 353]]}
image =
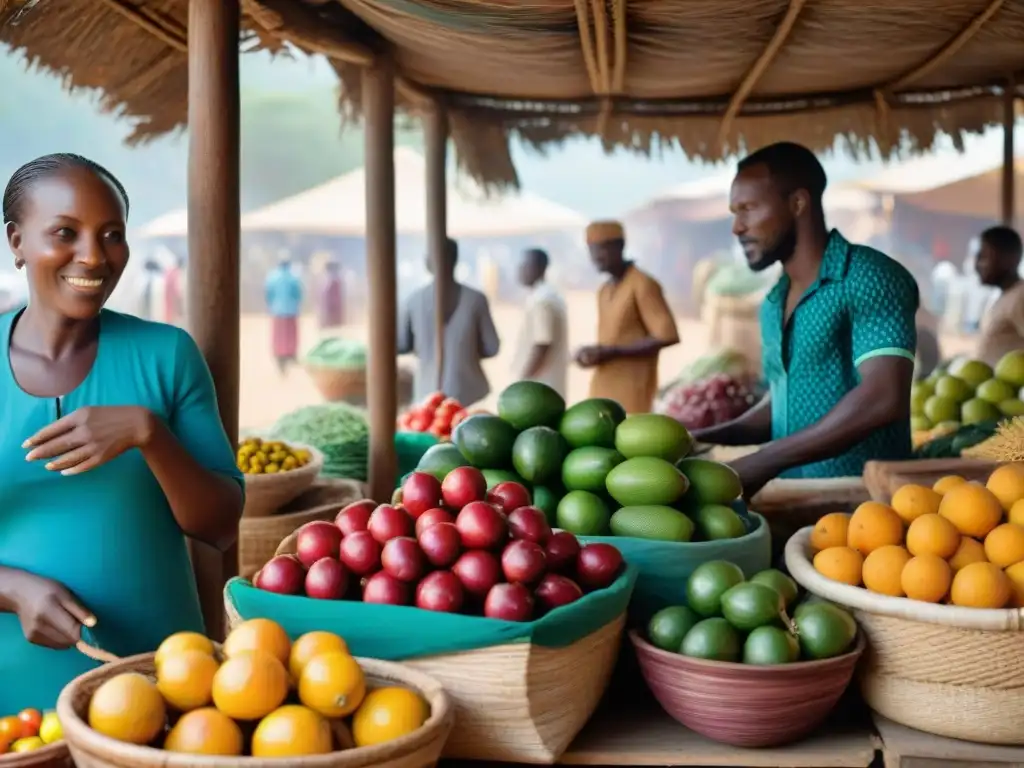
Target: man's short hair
{"points": [[1004, 240], [792, 165], [539, 255], [451, 250]]}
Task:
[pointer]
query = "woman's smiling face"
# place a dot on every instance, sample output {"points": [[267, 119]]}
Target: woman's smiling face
{"points": [[70, 236]]}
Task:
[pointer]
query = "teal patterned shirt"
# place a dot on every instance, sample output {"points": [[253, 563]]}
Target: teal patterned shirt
{"points": [[862, 305]]}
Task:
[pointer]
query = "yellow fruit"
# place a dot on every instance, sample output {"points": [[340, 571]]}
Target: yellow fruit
{"points": [[830, 531], [50, 729], [1016, 514], [969, 551], [205, 731], [250, 686], [333, 684], [1015, 573], [926, 578], [943, 484], [186, 679], [183, 641], [386, 714], [128, 707], [874, 525], [259, 635], [312, 644], [1007, 484], [972, 508], [932, 535], [911, 501], [840, 564], [28, 744], [980, 585], [1004, 546], [291, 731], [883, 568]]}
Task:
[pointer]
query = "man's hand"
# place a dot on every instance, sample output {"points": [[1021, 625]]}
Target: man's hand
{"points": [[756, 470], [593, 355]]}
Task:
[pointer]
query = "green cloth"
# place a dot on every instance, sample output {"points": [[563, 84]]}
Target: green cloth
{"points": [[395, 632], [862, 305], [410, 447], [664, 566]]}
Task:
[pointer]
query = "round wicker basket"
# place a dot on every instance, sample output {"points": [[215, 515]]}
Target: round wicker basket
{"points": [[419, 749], [946, 670], [265, 494]]}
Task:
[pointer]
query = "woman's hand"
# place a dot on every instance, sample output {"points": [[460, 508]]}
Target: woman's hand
{"points": [[50, 615], [89, 437]]}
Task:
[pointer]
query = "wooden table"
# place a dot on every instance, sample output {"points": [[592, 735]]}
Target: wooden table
{"points": [[883, 478]]}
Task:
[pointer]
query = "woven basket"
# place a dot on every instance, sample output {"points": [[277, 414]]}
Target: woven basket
{"points": [[337, 384], [259, 537], [519, 702], [51, 756], [420, 749], [946, 670], [265, 494]]}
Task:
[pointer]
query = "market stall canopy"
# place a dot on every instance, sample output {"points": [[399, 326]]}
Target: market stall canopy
{"points": [[338, 208], [170, 224], [711, 76]]}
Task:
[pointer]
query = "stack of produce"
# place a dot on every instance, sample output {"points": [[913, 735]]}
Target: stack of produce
{"points": [[593, 470], [969, 393], [711, 401], [336, 353], [256, 456], [28, 731], [728, 361], [338, 430], [259, 695], [453, 547], [959, 542], [437, 415]]}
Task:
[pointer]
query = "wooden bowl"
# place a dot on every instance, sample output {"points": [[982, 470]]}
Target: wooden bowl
{"points": [[743, 704]]}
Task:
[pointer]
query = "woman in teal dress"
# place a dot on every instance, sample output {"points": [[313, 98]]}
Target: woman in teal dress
{"points": [[111, 449]]}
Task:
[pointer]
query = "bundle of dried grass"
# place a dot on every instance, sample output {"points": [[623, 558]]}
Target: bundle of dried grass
{"points": [[1005, 446]]}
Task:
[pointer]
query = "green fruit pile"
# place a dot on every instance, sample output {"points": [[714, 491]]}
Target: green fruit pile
{"points": [[730, 618], [971, 392], [594, 470]]}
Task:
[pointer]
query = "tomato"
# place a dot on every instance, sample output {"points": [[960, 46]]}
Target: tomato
{"points": [[11, 728], [458, 417], [419, 423], [30, 720], [434, 400], [451, 402]]}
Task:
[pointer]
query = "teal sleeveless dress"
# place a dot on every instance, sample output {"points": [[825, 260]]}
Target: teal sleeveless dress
{"points": [[108, 535]]}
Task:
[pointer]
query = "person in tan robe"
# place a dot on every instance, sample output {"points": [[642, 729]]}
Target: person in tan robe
{"points": [[998, 266], [634, 324]]}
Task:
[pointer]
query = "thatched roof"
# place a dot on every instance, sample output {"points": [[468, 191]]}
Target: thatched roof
{"points": [[713, 76]]}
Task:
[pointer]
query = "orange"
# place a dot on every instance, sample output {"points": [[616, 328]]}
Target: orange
{"points": [[840, 564], [874, 525], [128, 707], [11, 729], [186, 679], [981, 585], [292, 731], [333, 684], [926, 578], [943, 484], [205, 731], [911, 501], [312, 644], [386, 714], [883, 569], [1007, 484], [261, 635], [932, 534], [1016, 514], [250, 686], [830, 531], [183, 641], [1004, 546], [1016, 575], [969, 551], [972, 508]]}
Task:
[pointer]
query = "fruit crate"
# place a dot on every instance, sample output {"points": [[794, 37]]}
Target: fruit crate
{"points": [[883, 478], [945, 670]]}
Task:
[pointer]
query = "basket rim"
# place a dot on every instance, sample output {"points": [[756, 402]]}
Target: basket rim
{"points": [[754, 670], [801, 569], [441, 718]]}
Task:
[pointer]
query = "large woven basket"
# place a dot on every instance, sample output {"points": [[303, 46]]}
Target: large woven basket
{"points": [[420, 749], [54, 755], [266, 494], [339, 384], [946, 670]]}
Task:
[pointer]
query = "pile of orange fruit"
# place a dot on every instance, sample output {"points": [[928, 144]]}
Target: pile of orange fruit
{"points": [[260, 694], [28, 731], [958, 542]]}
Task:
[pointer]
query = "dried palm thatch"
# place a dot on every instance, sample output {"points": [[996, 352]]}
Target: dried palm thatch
{"points": [[710, 76]]}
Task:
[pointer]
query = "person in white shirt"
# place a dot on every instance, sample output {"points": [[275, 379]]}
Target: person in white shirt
{"points": [[542, 352]]}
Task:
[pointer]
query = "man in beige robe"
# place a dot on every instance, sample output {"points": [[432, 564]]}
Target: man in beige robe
{"points": [[998, 266]]}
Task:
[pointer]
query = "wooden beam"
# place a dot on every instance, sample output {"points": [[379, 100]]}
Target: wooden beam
{"points": [[1008, 191], [379, 119], [213, 235], [435, 126]]}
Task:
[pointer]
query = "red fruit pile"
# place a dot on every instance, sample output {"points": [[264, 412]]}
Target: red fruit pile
{"points": [[715, 400], [438, 415], [451, 546]]}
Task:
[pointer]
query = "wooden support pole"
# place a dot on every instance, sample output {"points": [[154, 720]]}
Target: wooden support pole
{"points": [[379, 112], [1009, 160], [436, 140], [213, 234]]}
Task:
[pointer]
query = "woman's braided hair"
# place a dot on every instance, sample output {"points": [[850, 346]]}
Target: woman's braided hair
{"points": [[21, 182]]}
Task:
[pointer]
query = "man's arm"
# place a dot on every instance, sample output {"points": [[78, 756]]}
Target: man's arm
{"points": [[543, 321], [406, 342], [657, 319], [752, 428]]}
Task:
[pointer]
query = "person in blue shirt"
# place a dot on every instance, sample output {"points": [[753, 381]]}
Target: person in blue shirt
{"points": [[112, 449], [284, 302]]}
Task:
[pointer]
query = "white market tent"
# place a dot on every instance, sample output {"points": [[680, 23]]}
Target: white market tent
{"points": [[170, 224]]}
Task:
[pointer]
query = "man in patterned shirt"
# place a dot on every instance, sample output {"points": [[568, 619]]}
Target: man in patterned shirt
{"points": [[838, 332]]}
